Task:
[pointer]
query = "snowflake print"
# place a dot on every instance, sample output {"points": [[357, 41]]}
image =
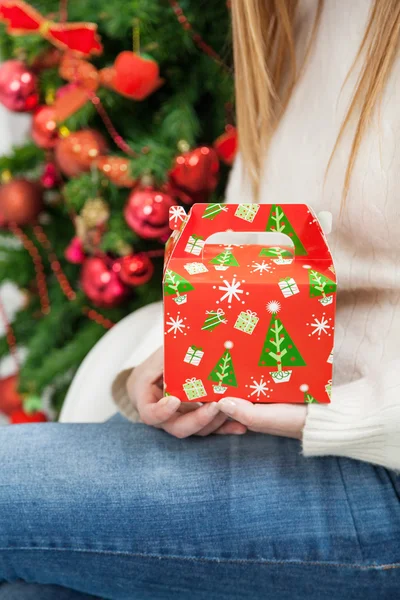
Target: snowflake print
{"points": [[261, 268], [232, 290], [176, 325], [259, 387], [320, 326], [273, 307], [177, 214]]}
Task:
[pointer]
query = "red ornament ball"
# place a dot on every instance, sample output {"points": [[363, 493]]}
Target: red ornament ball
{"points": [[10, 400], [20, 202], [20, 416], [134, 269], [101, 284], [226, 145], [76, 152], [196, 171], [147, 213], [75, 253], [136, 76], [18, 87], [44, 127]]}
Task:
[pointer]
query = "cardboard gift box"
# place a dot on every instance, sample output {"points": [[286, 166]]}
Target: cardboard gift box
{"points": [[252, 320]]}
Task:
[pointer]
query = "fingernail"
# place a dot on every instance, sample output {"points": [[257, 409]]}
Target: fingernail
{"points": [[170, 402], [228, 405], [212, 408]]}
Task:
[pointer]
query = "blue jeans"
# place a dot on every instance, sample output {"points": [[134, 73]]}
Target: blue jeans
{"points": [[124, 511]]}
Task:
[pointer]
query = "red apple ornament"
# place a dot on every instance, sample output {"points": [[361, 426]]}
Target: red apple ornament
{"points": [[196, 172], [226, 145], [134, 269], [76, 152], [136, 76], [44, 127], [147, 212]]}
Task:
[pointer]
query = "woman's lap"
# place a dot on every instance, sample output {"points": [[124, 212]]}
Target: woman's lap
{"points": [[121, 510]]}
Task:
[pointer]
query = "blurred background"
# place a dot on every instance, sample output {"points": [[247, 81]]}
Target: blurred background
{"points": [[111, 112]]}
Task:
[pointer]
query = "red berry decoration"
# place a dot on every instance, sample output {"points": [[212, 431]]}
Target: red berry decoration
{"points": [[226, 145], [18, 87], [196, 172], [10, 400], [76, 152], [75, 253], [135, 269], [136, 76], [20, 416], [44, 127], [20, 202], [147, 212], [50, 177], [101, 284]]}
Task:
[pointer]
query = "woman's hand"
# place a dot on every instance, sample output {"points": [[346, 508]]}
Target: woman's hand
{"points": [[286, 420], [181, 420]]}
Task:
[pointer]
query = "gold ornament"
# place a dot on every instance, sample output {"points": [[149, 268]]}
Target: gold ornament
{"points": [[123, 248], [183, 146], [95, 212]]}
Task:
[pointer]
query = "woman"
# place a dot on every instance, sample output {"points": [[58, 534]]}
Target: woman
{"points": [[127, 511]]}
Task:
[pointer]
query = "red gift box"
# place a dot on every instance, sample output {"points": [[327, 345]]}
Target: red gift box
{"points": [[262, 313]]}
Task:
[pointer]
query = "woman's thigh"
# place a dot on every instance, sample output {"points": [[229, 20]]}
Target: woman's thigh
{"points": [[122, 510]]}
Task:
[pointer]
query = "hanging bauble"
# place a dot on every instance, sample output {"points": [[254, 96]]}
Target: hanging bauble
{"points": [[18, 86], [134, 269], [196, 171], [76, 152], [136, 76], [95, 212], [74, 253], [101, 284], [18, 417], [20, 202], [147, 212], [226, 145], [44, 130], [50, 177], [10, 399], [116, 169]]}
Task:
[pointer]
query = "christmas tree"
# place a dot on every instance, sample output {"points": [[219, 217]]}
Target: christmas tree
{"points": [[131, 112], [279, 223], [276, 252], [176, 284], [225, 259], [320, 285], [279, 350], [223, 373]]}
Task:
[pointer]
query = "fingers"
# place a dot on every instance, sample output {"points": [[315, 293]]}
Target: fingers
{"points": [[276, 419], [157, 413], [184, 425], [212, 427], [231, 428]]}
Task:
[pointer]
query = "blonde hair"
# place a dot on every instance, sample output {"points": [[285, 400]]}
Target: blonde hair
{"points": [[266, 72]]}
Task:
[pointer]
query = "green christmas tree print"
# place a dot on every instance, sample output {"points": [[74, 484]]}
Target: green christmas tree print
{"points": [[279, 351], [320, 286], [225, 259], [279, 223], [309, 399], [176, 284], [276, 252], [223, 373], [212, 211]]}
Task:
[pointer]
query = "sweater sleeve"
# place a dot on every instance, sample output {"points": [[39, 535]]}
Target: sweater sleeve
{"points": [[362, 421]]}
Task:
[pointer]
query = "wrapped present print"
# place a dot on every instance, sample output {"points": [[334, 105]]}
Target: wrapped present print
{"points": [[194, 389], [246, 321], [250, 340], [288, 287], [195, 268], [195, 245], [193, 356], [247, 211]]}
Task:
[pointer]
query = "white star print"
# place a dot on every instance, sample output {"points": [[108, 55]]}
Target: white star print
{"points": [[259, 387], [177, 213], [176, 325], [273, 307], [320, 326], [261, 268], [232, 290]]}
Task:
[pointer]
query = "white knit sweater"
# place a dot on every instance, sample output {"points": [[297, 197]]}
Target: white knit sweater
{"points": [[363, 420]]}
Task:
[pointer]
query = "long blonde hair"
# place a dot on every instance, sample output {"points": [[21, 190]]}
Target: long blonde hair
{"points": [[266, 72]]}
